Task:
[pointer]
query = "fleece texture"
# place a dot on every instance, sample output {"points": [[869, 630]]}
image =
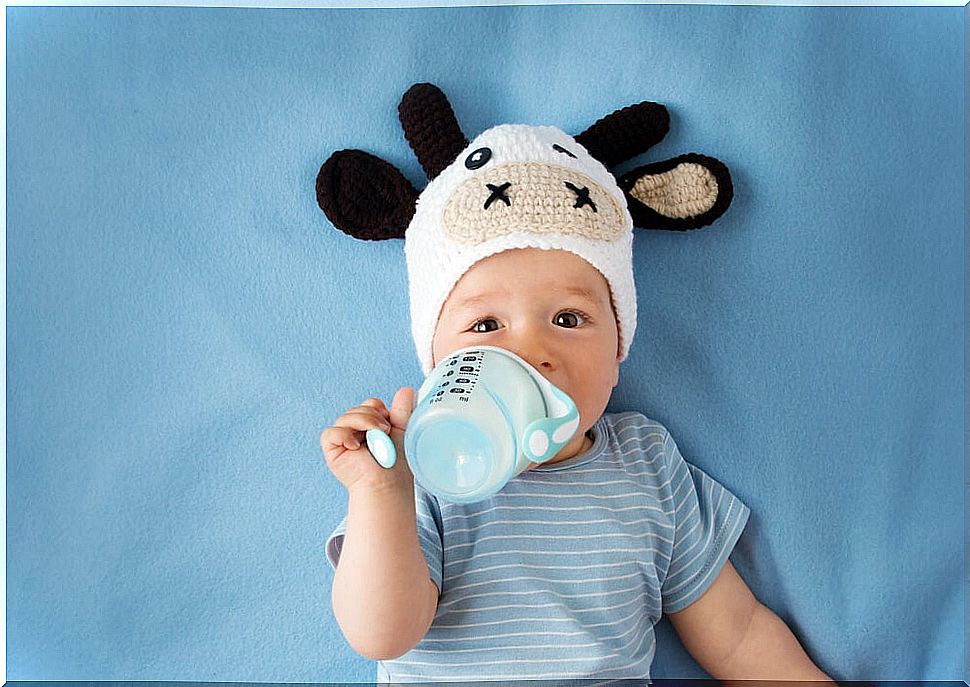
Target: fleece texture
{"points": [[183, 321]]}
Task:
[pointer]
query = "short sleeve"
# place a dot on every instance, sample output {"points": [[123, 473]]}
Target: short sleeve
{"points": [[708, 521], [429, 535]]}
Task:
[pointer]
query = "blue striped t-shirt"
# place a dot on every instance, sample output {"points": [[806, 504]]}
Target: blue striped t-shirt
{"points": [[564, 573]]}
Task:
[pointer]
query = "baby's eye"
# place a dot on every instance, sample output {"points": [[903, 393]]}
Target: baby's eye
{"points": [[485, 326], [569, 319]]}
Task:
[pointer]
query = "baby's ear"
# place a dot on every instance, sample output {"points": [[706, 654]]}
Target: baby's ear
{"points": [[364, 196]]}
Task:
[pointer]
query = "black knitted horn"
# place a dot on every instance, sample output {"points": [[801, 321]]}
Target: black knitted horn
{"points": [[430, 127], [626, 133]]}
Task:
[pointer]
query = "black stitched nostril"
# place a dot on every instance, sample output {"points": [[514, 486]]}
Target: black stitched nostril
{"points": [[582, 196], [498, 193]]}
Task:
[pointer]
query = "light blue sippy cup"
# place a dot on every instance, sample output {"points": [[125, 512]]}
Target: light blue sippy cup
{"points": [[482, 415]]}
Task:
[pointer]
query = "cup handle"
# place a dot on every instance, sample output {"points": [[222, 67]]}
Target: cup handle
{"points": [[544, 438], [381, 447]]}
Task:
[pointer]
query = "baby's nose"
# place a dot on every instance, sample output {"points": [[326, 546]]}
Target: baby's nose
{"points": [[537, 355]]}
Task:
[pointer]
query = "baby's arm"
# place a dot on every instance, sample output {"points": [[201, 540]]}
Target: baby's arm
{"points": [[383, 596], [732, 636]]}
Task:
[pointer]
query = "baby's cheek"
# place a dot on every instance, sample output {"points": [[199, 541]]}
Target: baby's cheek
{"points": [[439, 350], [593, 399]]}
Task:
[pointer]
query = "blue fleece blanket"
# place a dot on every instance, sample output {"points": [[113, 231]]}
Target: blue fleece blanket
{"points": [[183, 321]]}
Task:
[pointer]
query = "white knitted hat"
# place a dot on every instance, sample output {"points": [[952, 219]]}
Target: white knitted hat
{"points": [[517, 186]]}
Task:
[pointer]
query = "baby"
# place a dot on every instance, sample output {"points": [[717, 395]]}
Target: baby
{"points": [[565, 572]]}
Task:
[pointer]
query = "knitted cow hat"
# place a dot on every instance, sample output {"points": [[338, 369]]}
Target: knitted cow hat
{"points": [[518, 186]]}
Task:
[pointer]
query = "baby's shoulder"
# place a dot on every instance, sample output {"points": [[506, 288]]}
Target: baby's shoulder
{"points": [[638, 449], [635, 437]]}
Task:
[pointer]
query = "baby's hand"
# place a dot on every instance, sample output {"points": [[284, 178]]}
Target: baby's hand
{"points": [[345, 449]]}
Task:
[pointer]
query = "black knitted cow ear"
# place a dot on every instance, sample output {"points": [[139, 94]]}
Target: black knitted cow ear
{"points": [[431, 128], [626, 133], [364, 196], [685, 192]]}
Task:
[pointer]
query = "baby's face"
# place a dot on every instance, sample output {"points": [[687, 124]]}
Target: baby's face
{"points": [[552, 309]]}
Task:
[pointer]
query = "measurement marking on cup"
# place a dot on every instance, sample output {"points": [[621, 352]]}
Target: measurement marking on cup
{"points": [[464, 378]]}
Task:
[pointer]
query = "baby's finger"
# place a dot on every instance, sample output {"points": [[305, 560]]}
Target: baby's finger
{"points": [[401, 407], [341, 436], [363, 418], [376, 403]]}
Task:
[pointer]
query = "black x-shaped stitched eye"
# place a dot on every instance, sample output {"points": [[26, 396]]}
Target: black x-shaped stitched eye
{"points": [[498, 193], [582, 196]]}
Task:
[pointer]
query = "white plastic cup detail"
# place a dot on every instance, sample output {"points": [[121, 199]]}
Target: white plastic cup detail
{"points": [[482, 415]]}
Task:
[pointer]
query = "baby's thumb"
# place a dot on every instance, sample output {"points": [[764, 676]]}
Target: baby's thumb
{"points": [[401, 408]]}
